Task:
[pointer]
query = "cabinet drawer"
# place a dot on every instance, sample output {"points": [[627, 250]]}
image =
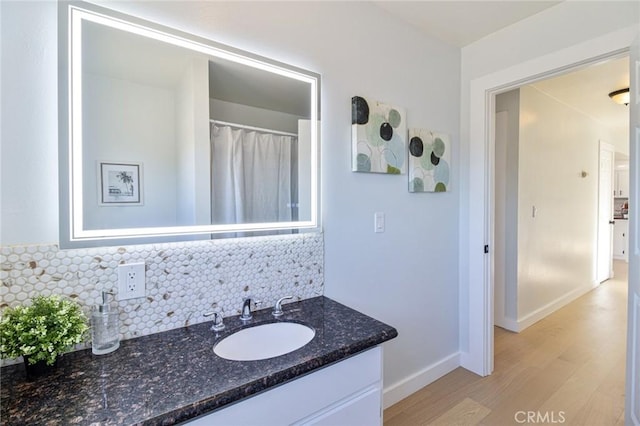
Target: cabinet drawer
{"points": [[364, 408], [302, 397]]}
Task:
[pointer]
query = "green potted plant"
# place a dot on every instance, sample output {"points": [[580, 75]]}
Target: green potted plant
{"points": [[42, 331]]}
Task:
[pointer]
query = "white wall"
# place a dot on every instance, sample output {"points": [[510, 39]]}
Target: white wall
{"points": [[29, 123], [192, 147], [185, 146], [557, 247], [118, 129], [406, 276], [544, 262]]}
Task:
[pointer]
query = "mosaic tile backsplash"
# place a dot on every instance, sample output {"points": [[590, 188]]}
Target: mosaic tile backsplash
{"points": [[183, 280]]}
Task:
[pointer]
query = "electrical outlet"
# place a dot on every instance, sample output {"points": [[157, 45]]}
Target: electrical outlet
{"points": [[131, 281]]}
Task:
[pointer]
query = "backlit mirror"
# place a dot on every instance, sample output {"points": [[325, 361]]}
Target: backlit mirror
{"points": [[167, 136]]}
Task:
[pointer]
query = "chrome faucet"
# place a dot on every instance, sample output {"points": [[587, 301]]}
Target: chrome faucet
{"points": [[277, 309], [246, 308], [218, 325]]}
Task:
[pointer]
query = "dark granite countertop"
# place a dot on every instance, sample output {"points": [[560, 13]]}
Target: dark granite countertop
{"points": [[169, 377]]}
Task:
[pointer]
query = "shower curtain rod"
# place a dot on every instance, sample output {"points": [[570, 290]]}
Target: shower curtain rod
{"points": [[257, 129]]}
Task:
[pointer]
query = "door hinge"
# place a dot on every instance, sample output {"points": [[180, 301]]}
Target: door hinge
{"points": [[486, 248]]}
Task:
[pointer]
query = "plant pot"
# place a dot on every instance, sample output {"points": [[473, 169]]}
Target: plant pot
{"points": [[39, 369]]}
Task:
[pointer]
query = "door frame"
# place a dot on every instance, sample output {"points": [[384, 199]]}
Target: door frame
{"points": [[477, 270], [632, 389]]}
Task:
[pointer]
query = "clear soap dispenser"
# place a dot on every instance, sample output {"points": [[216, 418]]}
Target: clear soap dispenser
{"points": [[105, 330]]}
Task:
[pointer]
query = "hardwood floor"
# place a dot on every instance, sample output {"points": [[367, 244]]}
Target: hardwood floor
{"points": [[568, 368]]}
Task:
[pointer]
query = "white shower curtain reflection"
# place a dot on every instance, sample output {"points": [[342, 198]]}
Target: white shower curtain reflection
{"points": [[251, 176]]}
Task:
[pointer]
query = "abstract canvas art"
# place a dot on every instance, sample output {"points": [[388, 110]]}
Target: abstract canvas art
{"points": [[429, 161], [378, 137]]}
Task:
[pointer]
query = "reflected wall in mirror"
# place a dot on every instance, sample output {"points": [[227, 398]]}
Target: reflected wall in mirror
{"points": [[227, 142]]}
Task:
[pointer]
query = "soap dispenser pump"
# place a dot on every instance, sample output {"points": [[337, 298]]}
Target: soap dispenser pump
{"points": [[105, 330]]}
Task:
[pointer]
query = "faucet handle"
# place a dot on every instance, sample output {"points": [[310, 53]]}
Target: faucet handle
{"points": [[218, 324], [277, 309]]}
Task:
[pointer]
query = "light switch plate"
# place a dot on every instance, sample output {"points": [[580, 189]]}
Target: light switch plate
{"points": [[378, 220]]}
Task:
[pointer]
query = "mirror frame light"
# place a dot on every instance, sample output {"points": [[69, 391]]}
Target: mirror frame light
{"points": [[72, 232]]}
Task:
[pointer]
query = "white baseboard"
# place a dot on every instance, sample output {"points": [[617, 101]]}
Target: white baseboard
{"points": [[507, 323], [402, 389], [553, 306]]}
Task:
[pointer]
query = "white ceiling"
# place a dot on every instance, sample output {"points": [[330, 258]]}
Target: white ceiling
{"points": [[460, 23], [587, 90]]}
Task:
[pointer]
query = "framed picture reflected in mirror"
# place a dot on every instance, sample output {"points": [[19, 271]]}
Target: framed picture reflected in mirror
{"points": [[120, 183]]}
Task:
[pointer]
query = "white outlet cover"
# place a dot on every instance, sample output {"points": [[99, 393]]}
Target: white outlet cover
{"points": [[131, 281]]}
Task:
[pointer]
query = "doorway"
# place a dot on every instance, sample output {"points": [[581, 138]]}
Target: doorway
{"points": [[553, 216], [477, 220], [476, 272]]}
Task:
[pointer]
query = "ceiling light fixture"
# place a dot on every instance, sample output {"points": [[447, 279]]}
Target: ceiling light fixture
{"points": [[620, 96]]}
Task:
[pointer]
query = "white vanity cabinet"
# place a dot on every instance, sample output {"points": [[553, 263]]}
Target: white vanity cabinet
{"points": [[348, 392], [621, 240]]}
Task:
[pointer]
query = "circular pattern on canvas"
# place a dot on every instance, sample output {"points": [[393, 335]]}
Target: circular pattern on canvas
{"points": [[417, 185], [359, 110], [395, 153], [395, 119], [363, 163], [386, 131], [438, 147], [435, 160], [441, 173], [416, 146]]}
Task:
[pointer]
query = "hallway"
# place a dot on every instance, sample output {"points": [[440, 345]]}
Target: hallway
{"points": [[568, 368]]}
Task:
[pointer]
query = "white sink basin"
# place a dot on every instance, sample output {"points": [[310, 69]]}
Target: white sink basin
{"points": [[264, 341]]}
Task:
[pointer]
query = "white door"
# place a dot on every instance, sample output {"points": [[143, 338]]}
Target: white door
{"points": [[604, 269], [632, 405]]}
